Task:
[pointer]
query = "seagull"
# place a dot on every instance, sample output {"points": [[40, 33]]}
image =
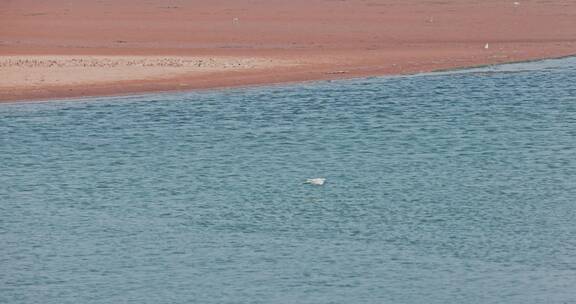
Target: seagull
{"points": [[319, 181], [486, 46]]}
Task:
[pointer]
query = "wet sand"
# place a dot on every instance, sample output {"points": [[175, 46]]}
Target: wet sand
{"points": [[63, 48]]}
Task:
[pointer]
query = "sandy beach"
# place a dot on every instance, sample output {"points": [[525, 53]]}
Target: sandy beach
{"points": [[57, 48]]}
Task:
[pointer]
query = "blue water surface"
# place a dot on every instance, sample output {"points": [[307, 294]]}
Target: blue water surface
{"points": [[454, 187]]}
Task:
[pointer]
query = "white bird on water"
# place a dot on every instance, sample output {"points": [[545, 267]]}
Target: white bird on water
{"points": [[319, 181]]}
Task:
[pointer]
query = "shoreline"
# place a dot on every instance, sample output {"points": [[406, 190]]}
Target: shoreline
{"points": [[143, 46], [285, 71], [270, 85]]}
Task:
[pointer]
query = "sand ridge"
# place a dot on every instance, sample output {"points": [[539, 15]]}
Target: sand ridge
{"points": [[46, 70]]}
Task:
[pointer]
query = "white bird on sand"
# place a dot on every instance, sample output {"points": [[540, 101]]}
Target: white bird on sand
{"points": [[319, 181], [486, 46]]}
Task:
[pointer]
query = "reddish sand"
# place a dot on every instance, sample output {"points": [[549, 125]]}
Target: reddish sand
{"points": [[282, 40]]}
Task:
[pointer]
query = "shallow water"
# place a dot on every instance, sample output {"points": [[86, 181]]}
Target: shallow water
{"points": [[441, 188]]}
